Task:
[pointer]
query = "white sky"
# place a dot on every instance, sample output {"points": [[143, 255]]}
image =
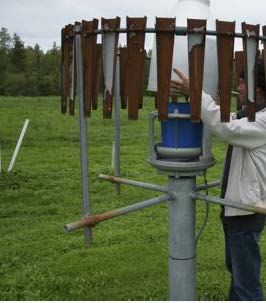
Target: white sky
{"points": [[40, 21]]}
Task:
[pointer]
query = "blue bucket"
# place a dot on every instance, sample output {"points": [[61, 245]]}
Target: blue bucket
{"points": [[181, 133]]}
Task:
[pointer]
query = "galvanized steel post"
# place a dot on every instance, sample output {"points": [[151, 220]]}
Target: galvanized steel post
{"points": [[84, 161], [117, 125], [182, 248]]}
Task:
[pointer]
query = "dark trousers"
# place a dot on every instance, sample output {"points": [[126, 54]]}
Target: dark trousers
{"points": [[243, 261]]}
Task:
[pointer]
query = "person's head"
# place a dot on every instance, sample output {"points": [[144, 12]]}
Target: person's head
{"points": [[260, 90]]}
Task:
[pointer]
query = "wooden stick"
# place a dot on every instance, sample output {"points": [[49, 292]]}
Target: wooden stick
{"points": [[123, 77], [196, 53], [109, 52], [88, 41], [165, 34], [250, 46], [97, 69], [135, 64], [225, 51]]}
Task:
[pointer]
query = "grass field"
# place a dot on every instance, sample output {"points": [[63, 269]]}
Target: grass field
{"points": [[129, 256]]}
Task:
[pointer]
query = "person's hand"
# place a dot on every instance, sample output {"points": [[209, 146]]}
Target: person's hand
{"points": [[180, 87]]}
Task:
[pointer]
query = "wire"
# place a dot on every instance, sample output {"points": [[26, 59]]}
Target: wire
{"points": [[207, 212]]}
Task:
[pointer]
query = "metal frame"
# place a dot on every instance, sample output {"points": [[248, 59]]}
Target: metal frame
{"points": [[179, 30], [84, 161], [116, 149], [180, 193]]}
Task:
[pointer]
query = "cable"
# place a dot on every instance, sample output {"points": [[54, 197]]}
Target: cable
{"points": [[207, 212]]}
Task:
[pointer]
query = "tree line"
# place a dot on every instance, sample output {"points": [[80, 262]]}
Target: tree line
{"points": [[27, 71]]}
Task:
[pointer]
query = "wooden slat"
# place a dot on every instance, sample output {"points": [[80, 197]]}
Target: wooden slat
{"points": [[63, 72], [75, 68], [251, 66], [97, 69], [264, 51], [136, 64], [155, 100], [67, 63], [123, 77], [88, 41], [225, 51], [196, 53], [239, 68], [109, 57], [143, 80], [165, 34], [72, 72]]}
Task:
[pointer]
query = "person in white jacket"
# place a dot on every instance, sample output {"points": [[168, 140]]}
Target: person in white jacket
{"points": [[244, 181]]}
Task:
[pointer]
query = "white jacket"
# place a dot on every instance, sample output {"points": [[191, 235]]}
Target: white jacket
{"points": [[247, 175]]}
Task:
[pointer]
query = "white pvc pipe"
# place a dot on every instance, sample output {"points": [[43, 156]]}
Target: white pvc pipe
{"points": [[22, 134]]}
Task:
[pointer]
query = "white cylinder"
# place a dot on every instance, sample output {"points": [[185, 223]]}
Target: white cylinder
{"points": [[196, 9]]}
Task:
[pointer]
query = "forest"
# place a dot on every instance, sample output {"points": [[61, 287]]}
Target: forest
{"points": [[27, 70]]}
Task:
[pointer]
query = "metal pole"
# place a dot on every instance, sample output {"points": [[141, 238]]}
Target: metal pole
{"points": [[23, 131], [93, 220], [179, 30], [84, 161], [117, 125], [228, 203], [209, 185], [145, 185], [182, 247]]}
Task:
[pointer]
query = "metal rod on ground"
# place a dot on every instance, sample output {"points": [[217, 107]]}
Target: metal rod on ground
{"points": [[229, 203], [84, 161], [22, 134], [117, 125], [182, 247], [93, 220], [150, 186]]}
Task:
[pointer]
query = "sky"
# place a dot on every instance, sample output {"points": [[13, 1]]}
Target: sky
{"points": [[40, 21]]}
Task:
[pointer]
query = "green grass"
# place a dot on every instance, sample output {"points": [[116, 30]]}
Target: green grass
{"points": [[128, 259]]}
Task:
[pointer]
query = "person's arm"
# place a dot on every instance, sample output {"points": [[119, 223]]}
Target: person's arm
{"points": [[242, 133]]}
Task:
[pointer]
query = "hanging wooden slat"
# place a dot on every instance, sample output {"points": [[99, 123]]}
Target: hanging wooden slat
{"points": [[67, 44], [123, 77], [196, 53], [264, 51], [165, 34], [109, 57], [142, 88], [155, 100], [250, 46], [63, 72], [239, 68], [72, 72], [75, 65], [97, 69], [88, 40], [225, 51], [136, 63]]}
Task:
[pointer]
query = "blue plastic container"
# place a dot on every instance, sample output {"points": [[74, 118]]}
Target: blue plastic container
{"points": [[179, 132]]}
